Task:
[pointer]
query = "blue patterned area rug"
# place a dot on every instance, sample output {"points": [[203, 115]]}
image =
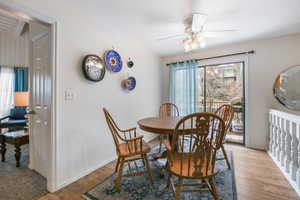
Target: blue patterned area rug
{"points": [[140, 188]]}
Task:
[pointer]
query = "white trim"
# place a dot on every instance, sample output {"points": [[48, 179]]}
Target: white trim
{"points": [[246, 88], [256, 147], [13, 8], [53, 177], [287, 176]]}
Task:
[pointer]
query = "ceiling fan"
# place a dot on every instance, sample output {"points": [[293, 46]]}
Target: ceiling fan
{"points": [[194, 34]]}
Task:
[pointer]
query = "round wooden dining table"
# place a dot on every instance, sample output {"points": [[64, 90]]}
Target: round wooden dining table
{"points": [[159, 125]]}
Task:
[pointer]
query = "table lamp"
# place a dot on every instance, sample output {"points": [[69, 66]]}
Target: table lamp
{"points": [[21, 98]]}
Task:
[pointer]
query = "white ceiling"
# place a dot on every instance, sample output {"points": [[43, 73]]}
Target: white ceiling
{"points": [[148, 20], [251, 18]]}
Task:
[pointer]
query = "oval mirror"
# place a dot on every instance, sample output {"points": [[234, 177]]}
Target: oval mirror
{"points": [[286, 88]]}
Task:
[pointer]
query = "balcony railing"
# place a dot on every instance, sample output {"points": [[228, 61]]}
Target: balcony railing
{"points": [[284, 147], [211, 105]]}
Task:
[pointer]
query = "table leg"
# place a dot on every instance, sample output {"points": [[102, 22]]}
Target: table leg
{"points": [[3, 148], [17, 155], [162, 154]]}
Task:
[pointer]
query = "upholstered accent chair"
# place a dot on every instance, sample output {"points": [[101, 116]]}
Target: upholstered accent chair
{"points": [[16, 120]]}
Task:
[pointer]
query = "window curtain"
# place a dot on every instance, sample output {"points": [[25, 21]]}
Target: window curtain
{"points": [[183, 86], [20, 79], [6, 90]]}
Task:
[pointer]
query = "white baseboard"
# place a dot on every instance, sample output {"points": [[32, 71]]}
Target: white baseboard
{"points": [[84, 173], [90, 170], [287, 176], [256, 147]]}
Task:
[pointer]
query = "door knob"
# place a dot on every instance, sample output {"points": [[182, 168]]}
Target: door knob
{"points": [[31, 112]]}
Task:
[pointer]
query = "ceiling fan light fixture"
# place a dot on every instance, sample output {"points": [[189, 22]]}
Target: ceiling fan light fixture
{"points": [[186, 41], [200, 38], [196, 32], [202, 44], [194, 45], [188, 30], [187, 47], [196, 41]]}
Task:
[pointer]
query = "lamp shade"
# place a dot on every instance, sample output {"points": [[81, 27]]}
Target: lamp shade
{"points": [[21, 98]]}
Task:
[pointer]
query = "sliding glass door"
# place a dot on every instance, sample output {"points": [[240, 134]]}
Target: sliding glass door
{"points": [[206, 88], [224, 84]]}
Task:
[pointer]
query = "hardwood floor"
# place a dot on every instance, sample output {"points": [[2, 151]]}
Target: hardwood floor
{"points": [[257, 178]]}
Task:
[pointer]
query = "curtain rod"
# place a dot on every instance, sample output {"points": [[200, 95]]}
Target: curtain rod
{"points": [[226, 55]]}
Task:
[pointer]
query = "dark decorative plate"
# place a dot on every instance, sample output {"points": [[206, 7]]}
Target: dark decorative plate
{"points": [[93, 68], [129, 83], [113, 60], [130, 63]]}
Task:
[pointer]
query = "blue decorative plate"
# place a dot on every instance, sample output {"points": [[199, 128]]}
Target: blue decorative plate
{"points": [[129, 83], [113, 60]]}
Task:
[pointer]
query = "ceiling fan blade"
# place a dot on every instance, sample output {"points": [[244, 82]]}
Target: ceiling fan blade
{"points": [[171, 37], [198, 22], [216, 33]]}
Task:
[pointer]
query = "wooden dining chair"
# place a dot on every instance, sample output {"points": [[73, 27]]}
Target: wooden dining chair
{"points": [[167, 110], [129, 147], [226, 113], [192, 155]]}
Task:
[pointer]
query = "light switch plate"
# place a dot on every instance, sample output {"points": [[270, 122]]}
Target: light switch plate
{"points": [[69, 95]]}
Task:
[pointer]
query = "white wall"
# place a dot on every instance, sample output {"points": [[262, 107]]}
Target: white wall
{"points": [[270, 58], [85, 27]]}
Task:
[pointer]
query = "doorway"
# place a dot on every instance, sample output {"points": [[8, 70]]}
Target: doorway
{"points": [[42, 110], [220, 84]]}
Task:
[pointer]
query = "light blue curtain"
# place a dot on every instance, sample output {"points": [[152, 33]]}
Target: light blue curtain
{"points": [[6, 90], [183, 86], [21, 79]]}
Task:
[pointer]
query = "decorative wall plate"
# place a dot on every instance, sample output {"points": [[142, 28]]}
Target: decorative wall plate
{"points": [[113, 60], [129, 83], [93, 68], [130, 63]]}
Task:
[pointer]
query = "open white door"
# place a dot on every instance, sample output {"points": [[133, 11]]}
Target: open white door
{"points": [[40, 98]]}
